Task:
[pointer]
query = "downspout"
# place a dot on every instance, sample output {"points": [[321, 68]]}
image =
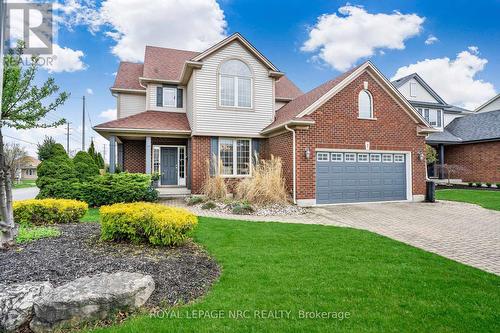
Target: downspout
{"points": [[293, 164]]}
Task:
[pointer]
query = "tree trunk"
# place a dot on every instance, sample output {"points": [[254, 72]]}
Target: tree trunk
{"points": [[8, 229]]}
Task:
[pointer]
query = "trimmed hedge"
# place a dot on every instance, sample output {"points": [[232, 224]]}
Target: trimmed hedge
{"points": [[48, 211], [146, 222]]}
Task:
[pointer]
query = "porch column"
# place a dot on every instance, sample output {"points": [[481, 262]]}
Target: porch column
{"points": [[112, 153], [148, 155], [441, 161], [119, 153]]}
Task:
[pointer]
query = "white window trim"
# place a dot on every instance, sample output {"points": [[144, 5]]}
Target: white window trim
{"points": [[399, 156], [235, 82], [379, 158], [164, 90], [391, 158], [372, 113], [235, 157], [338, 154], [327, 155], [364, 161], [350, 154]]}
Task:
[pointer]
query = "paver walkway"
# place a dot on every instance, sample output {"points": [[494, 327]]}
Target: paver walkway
{"points": [[463, 232]]}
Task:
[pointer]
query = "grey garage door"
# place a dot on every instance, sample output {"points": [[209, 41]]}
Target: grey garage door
{"points": [[343, 177]]}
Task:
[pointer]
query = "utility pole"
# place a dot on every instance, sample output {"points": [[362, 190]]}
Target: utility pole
{"points": [[83, 125], [67, 137]]}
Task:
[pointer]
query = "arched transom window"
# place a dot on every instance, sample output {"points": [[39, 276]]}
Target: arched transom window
{"points": [[365, 104], [235, 82]]}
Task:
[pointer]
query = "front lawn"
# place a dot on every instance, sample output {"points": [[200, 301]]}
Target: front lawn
{"points": [[483, 198], [381, 285], [24, 184]]}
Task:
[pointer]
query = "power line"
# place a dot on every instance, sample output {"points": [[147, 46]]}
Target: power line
{"points": [[31, 143]]}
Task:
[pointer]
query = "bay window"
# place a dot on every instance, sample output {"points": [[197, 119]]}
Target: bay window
{"points": [[234, 156], [235, 84]]}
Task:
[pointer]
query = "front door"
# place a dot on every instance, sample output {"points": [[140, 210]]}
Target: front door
{"points": [[169, 166]]}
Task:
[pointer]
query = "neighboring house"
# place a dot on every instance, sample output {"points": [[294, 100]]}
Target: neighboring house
{"points": [[352, 139], [436, 111], [26, 168], [491, 105]]}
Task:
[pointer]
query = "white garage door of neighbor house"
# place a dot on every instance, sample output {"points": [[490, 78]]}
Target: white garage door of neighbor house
{"points": [[347, 177]]}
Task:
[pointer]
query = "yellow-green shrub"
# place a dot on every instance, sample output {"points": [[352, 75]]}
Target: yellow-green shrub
{"points": [[48, 211], [146, 222]]}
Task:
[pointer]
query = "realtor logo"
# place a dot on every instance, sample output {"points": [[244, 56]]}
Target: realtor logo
{"points": [[32, 23]]}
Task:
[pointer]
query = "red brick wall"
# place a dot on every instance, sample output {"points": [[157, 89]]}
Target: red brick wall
{"points": [[337, 126], [200, 147], [134, 155], [478, 162], [282, 146]]}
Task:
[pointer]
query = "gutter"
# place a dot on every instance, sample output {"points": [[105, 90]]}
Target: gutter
{"points": [[293, 164]]}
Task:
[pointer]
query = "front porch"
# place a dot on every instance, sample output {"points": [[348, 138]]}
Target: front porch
{"points": [[166, 156]]}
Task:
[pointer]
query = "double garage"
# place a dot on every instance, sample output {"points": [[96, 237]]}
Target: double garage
{"points": [[354, 176]]}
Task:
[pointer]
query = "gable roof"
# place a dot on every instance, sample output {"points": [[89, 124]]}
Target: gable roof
{"points": [[476, 127], [28, 162], [286, 89], [236, 37], [488, 102], [127, 76], [401, 81], [165, 64], [297, 110], [148, 121]]}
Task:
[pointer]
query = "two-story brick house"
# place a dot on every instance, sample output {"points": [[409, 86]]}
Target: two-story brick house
{"points": [[352, 139]]}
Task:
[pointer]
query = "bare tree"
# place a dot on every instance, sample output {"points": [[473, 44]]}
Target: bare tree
{"points": [[14, 154]]}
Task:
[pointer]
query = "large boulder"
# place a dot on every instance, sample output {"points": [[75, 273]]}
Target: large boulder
{"points": [[91, 298], [16, 303]]}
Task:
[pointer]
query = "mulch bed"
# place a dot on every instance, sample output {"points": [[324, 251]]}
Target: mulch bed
{"points": [[181, 274]]}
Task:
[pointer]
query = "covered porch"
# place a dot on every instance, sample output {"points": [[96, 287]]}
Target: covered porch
{"points": [[440, 141]]}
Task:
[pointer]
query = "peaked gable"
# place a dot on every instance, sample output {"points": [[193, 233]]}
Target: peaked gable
{"points": [[424, 93]]}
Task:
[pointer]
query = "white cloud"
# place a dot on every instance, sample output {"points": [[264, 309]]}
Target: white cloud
{"points": [[89, 91], [341, 40], [64, 59], [188, 24], [431, 39], [454, 79], [109, 114]]}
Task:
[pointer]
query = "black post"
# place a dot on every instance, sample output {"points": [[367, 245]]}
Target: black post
{"points": [[441, 161]]}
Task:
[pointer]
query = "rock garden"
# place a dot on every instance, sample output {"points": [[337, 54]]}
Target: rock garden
{"points": [[139, 256]]}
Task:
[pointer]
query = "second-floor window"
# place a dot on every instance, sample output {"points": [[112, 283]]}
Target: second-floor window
{"points": [[433, 117], [235, 84], [365, 105], [169, 96]]}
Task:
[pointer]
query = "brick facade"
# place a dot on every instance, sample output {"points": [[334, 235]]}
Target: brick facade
{"points": [[337, 126], [200, 151], [282, 146], [134, 156], [478, 162]]}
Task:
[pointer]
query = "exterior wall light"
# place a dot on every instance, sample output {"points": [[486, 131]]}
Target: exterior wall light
{"points": [[307, 151], [420, 156]]}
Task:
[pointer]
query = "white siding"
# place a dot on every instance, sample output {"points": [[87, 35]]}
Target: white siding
{"points": [[130, 104], [421, 94], [210, 118], [278, 105], [189, 100], [448, 117], [495, 105], [151, 98]]}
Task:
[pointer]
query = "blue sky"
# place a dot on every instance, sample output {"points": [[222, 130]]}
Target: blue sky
{"points": [[462, 58]]}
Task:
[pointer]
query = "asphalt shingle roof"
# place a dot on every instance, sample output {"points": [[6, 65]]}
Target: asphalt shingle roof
{"points": [[476, 127], [151, 120]]}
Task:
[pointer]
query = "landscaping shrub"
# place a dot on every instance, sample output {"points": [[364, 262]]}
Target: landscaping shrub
{"points": [[242, 208], [488, 184], [498, 185], [267, 184], [470, 184], [209, 205], [146, 222], [85, 166], [214, 187], [191, 201], [48, 211], [29, 234]]}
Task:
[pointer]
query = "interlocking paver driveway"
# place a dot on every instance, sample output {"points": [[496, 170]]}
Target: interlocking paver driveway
{"points": [[463, 232]]}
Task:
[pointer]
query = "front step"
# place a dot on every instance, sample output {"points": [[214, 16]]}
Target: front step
{"points": [[173, 192]]}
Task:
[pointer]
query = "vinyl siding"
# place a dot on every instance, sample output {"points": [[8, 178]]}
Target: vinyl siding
{"points": [[151, 99], [210, 118], [421, 96], [495, 105], [189, 100], [130, 104]]}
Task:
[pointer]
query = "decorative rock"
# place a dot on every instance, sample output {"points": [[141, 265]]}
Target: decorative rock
{"points": [[16, 303], [91, 298]]}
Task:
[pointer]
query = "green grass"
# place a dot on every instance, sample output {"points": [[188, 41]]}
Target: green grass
{"points": [[29, 234], [384, 285], [24, 184], [92, 215], [483, 198]]}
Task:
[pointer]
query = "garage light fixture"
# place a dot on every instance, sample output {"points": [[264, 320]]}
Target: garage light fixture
{"points": [[307, 151], [420, 155]]}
